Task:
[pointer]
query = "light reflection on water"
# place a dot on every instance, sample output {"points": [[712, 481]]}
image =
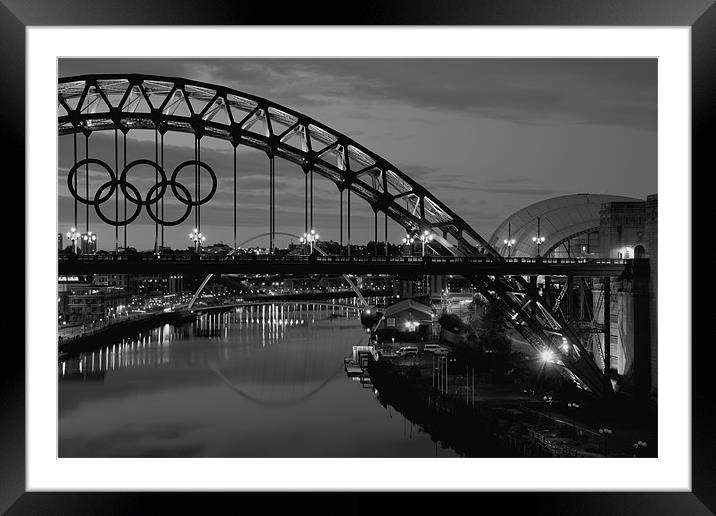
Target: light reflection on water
{"points": [[259, 381]]}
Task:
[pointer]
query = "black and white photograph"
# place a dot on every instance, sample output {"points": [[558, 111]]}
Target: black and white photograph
{"points": [[357, 257], [407, 248]]}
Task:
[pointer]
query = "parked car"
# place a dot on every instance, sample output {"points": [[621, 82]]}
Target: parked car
{"points": [[406, 351], [441, 351], [430, 348]]}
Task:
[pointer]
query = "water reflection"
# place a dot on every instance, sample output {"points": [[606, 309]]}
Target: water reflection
{"points": [[264, 380]]}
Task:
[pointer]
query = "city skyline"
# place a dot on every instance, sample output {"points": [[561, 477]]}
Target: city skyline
{"points": [[463, 128]]}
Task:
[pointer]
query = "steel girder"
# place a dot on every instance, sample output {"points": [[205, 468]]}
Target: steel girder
{"points": [[125, 102], [531, 316]]}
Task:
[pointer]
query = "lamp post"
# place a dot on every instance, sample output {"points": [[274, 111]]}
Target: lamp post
{"points": [[605, 432], [637, 445], [539, 239], [73, 235], [408, 240], [510, 241], [197, 238], [425, 238], [309, 238], [90, 239]]}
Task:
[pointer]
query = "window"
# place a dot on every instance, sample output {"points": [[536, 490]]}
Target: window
{"points": [[390, 322]]}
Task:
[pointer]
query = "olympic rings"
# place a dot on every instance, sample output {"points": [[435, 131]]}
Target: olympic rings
{"points": [[123, 181], [188, 200], [73, 171], [156, 192], [137, 209], [163, 185]]}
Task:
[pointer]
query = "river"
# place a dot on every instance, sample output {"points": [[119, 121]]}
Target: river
{"points": [[261, 381]]}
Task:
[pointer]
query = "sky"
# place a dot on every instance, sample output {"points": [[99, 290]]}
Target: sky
{"points": [[485, 136]]}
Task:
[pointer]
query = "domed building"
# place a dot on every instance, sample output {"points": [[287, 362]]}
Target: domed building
{"points": [[569, 224]]}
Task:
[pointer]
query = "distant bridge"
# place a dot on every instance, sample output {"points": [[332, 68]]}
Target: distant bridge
{"points": [[239, 304]]}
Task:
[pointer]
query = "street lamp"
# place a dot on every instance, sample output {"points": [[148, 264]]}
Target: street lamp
{"points": [[539, 239], [73, 235], [547, 355], [89, 238], [197, 238], [408, 240], [605, 432], [425, 238], [637, 445], [510, 241], [310, 238]]}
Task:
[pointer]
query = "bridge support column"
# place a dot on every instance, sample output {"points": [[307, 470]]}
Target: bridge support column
{"points": [[533, 306], [116, 194], [375, 227], [568, 301], [87, 184], [124, 164], [548, 290], [305, 180], [349, 223], [607, 331], [272, 202]]}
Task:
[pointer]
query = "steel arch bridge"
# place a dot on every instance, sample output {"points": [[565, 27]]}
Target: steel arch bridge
{"points": [[125, 102]]}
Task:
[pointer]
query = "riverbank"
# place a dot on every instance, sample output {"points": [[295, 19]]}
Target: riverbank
{"points": [[472, 431], [120, 330], [497, 420]]}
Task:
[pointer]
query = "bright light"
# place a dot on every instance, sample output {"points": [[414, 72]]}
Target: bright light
{"points": [[547, 355]]}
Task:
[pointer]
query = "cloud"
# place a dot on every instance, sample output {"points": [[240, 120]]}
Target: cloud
{"points": [[619, 92]]}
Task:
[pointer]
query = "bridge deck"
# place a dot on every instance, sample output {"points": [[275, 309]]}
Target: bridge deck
{"points": [[394, 265]]}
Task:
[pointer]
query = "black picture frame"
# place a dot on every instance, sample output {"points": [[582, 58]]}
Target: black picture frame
{"points": [[700, 15]]}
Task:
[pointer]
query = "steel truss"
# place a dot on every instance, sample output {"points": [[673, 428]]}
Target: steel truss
{"points": [[127, 102]]}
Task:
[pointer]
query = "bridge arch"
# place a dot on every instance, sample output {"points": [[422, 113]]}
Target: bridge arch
{"points": [[103, 102]]}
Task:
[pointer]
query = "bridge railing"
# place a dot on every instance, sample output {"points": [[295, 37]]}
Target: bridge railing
{"points": [[211, 258]]}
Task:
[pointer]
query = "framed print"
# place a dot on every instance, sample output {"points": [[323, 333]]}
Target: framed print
{"points": [[416, 252]]}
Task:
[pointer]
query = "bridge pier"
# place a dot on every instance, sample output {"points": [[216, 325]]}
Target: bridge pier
{"points": [[582, 287], [607, 332], [548, 290], [533, 305], [568, 301]]}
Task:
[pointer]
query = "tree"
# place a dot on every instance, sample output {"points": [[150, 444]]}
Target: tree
{"points": [[494, 320], [451, 322]]}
